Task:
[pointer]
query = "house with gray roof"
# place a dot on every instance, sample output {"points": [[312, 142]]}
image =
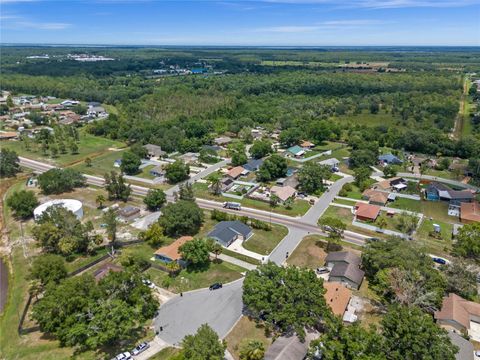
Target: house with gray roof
{"points": [[226, 232], [345, 269], [389, 159], [154, 150], [253, 164], [290, 347], [465, 347]]}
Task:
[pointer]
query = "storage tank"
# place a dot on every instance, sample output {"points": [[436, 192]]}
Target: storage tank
{"points": [[73, 205]]}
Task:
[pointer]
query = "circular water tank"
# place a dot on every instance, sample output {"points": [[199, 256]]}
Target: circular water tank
{"points": [[73, 205]]}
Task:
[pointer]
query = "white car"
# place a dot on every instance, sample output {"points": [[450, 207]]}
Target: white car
{"points": [[123, 356]]}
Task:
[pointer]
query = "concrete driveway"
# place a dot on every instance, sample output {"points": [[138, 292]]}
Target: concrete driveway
{"points": [[183, 315]]}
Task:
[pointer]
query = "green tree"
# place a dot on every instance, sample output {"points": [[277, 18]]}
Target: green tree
{"points": [[286, 299], [155, 199], [461, 279], [181, 218], [57, 181], [9, 163], [22, 203], [185, 192], [407, 223], [139, 150], [73, 147], [468, 242], [110, 219], [333, 226], [10, 103], [381, 222], [260, 149], [154, 235], [252, 350], [362, 174], [215, 183], [214, 247], [196, 252], [203, 345], [130, 163], [177, 172], [100, 200], [290, 137], [238, 159], [410, 334], [311, 177], [88, 162], [116, 187], [48, 268], [390, 171], [54, 150], [272, 168], [340, 342]]}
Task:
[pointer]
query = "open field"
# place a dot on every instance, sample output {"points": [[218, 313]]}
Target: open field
{"points": [[406, 204], [309, 253], [89, 146], [263, 242], [437, 246], [245, 329]]}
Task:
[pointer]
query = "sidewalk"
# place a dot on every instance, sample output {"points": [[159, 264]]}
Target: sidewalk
{"points": [[236, 261], [156, 345]]}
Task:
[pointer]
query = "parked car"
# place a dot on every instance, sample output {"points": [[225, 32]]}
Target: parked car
{"points": [[140, 348], [439, 260], [148, 283], [311, 201], [322, 270], [123, 356], [215, 286]]}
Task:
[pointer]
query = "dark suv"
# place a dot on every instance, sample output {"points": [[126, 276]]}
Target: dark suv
{"points": [[215, 286]]}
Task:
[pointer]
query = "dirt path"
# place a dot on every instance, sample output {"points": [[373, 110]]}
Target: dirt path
{"points": [[459, 120]]}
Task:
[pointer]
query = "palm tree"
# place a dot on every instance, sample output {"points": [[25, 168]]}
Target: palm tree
{"points": [[215, 181], [252, 350], [217, 249], [173, 266]]}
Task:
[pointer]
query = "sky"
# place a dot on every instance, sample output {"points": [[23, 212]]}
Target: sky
{"points": [[242, 23]]}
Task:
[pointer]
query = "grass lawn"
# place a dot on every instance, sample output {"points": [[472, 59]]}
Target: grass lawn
{"points": [[189, 279], [245, 329], [101, 164], [309, 253], [345, 202], [437, 246], [437, 210], [391, 221], [446, 174], [80, 261], [355, 193], [89, 146], [299, 208], [406, 204], [145, 172], [263, 242], [166, 354], [242, 257]]}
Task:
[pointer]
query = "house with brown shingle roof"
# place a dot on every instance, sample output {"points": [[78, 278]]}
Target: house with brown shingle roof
{"points": [[459, 315], [367, 212], [470, 212], [375, 197], [337, 296], [235, 172], [170, 253], [283, 192]]}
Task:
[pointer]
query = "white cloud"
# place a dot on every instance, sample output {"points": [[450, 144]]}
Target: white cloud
{"points": [[383, 4], [42, 25], [325, 25], [15, 1], [288, 29]]}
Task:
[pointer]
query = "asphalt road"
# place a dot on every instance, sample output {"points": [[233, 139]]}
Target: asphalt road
{"points": [[183, 315]]}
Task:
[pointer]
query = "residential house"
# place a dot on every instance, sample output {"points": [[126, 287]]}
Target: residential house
{"points": [[295, 151], [117, 163], [96, 110], [332, 163], [253, 165], [170, 253], [129, 213], [375, 197], [469, 212], [337, 296], [389, 159], [104, 269], [436, 191], [234, 173], [8, 135], [367, 212], [291, 181], [222, 140], [459, 315], [68, 103], [215, 148], [226, 232], [226, 183], [154, 151], [189, 157], [394, 184], [307, 144], [283, 192], [290, 347], [256, 134], [345, 269], [465, 347], [157, 171]]}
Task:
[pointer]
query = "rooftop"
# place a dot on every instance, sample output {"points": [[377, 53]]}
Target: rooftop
{"points": [[343, 256], [283, 192], [235, 172], [470, 211], [337, 297], [367, 211], [171, 251], [225, 231], [348, 271], [456, 308]]}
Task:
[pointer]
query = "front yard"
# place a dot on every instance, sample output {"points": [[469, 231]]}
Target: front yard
{"points": [[439, 244], [263, 242], [309, 253], [245, 329]]}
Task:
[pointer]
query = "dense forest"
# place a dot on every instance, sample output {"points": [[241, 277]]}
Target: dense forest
{"points": [[311, 92]]}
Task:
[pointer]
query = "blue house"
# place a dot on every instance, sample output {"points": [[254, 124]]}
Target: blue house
{"points": [[389, 159], [253, 164]]}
